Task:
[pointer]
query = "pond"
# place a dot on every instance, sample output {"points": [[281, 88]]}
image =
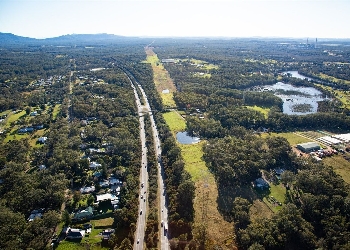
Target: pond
{"points": [[296, 100], [184, 138], [296, 74]]}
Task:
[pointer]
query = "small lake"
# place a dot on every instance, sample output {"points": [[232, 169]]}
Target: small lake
{"points": [[296, 100], [184, 138], [295, 74]]}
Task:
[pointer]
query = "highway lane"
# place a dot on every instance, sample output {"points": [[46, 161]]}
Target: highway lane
{"points": [[141, 222], [163, 211]]}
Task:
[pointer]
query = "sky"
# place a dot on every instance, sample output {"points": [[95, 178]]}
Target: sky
{"points": [[177, 18]]}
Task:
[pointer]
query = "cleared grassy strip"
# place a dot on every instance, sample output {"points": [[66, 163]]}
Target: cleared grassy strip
{"points": [[161, 78], [291, 137], [340, 166], [55, 111], [265, 111], [168, 99], [206, 190], [332, 78], [205, 203], [192, 154], [175, 122]]}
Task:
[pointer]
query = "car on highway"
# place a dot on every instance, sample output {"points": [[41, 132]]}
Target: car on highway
{"points": [[141, 212], [138, 241]]}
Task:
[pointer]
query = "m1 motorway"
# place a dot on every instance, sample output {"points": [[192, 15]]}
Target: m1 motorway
{"points": [[163, 211]]}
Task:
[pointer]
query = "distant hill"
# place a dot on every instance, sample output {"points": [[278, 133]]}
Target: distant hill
{"points": [[8, 38], [11, 39], [85, 38]]}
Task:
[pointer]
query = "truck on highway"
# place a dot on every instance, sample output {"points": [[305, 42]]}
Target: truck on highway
{"points": [[165, 228]]}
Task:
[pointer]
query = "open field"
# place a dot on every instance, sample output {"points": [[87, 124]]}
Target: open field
{"points": [[55, 111], [206, 190], [340, 166], [203, 64], [332, 78], [342, 95], [12, 117], [175, 121], [205, 203], [278, 192], [161, 79], [291, 137], [265, 111]]}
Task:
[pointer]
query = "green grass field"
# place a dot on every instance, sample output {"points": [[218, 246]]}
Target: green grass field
{"points": [[278, 192], [168, 100], [175, 121], [291, 137], [192, 154], [55, 111], [265, 111], [340, 166], [332, 78], [13, 117]]}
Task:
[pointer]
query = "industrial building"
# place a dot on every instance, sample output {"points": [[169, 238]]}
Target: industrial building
{"points": [[308, 147]]}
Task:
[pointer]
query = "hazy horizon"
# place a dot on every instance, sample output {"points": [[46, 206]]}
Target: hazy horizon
{"points": [[177, 18]]}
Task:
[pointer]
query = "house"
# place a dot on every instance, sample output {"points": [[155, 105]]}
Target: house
{"points": [[104, 183], [106, 234], [94, 165], [36, 214], [73, 233], [42, 167], [278, 172], [83, 214], [42, 139], [86, 190], [40, 126], [114, 181], [115, 189], [261, 184], [107, 196]]}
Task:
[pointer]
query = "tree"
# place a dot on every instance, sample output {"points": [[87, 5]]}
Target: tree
{"points": [[126, 245], [66, 218]]}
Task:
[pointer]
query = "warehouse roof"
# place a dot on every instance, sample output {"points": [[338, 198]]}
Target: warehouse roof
{"points": [[308, 145]]}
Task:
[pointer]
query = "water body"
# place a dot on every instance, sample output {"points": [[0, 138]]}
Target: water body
{"points": [[184, 138], [296, 100], [297, 75]]}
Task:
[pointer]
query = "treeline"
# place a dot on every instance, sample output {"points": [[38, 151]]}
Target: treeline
{"points": [[180, 189], [204, 98], [152, 230]]}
